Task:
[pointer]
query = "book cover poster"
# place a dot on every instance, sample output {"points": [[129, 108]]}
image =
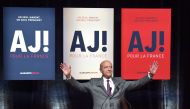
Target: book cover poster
{"points": [[29, 43], [146, 37], [87, 40]]}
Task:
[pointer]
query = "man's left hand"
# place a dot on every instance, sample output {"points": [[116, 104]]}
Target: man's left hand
{"points": [[153, 68]]}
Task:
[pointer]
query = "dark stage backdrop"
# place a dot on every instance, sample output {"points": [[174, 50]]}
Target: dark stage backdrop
{"points": [[172, 94]]}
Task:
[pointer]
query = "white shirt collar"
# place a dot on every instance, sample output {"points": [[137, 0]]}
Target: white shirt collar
{"points": [[105, 79]]}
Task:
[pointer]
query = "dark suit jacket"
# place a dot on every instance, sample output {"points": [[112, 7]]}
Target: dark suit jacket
{"points": [[100, 98]]}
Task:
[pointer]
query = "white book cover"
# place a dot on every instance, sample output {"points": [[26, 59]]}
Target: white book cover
{"points": [[87, 40]]}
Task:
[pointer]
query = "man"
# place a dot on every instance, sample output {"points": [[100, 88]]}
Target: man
{"points": [[107, 91]]}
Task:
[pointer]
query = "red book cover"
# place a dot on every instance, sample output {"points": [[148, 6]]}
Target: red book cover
{"points": [[145, 39]]}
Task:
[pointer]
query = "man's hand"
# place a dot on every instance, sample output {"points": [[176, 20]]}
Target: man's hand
{"points": [[153, 68], [66, 69]]}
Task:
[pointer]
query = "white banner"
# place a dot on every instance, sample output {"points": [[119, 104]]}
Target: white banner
{"points": [[87, 40]]}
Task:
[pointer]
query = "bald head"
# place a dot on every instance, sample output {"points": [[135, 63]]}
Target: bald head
{"points": [[103, 62], [106, 68]]}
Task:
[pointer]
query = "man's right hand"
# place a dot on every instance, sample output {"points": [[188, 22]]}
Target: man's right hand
{"points": [[66, 69]]}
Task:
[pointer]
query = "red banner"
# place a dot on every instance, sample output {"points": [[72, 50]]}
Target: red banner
{"points": [[145, 39]]}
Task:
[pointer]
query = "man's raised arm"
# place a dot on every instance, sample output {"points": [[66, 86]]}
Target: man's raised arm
{"points": [[131, 85], [66, 69]]}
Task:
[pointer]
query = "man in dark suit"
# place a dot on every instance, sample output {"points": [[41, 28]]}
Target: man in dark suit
{"points": [[107, 92]]}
